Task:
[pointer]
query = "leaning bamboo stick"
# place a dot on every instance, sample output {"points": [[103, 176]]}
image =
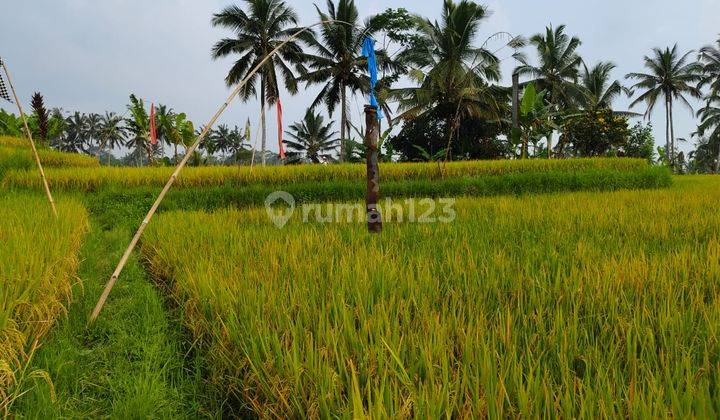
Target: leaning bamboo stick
{"points": [[32, 143], [183, 162]]}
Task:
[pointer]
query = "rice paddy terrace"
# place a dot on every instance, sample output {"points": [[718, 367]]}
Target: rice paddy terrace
{"points": [[563, 288]]}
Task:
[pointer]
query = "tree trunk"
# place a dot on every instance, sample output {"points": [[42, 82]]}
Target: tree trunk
{"points": [[262, 120], [561, 146], [452, 124], [372, 195], [717, 163], [672, 133], [516, 101], [668, 153], [343, 121], [149, 153]]}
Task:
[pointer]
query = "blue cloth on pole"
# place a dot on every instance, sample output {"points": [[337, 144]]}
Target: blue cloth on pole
{"points": [[368, 51]]}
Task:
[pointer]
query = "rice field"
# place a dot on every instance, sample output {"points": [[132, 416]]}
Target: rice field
{"points": [[564, 305], [552, 298], [16, 154], [91, 179], [38, 260], [7, 141]]}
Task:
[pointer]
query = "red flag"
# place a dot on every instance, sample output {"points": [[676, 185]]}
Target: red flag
{"points": [[278, 105], [153, 129]]}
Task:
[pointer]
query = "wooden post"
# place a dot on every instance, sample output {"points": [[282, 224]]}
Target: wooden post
{"points": [[373, 171], [32, 143]]}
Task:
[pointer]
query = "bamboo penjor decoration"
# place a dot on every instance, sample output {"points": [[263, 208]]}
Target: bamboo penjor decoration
{"points": [[32, 142], [183, 162]]}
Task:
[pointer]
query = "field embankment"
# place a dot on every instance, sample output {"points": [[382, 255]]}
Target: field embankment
{"points": [[573, 305], [127, 193], [92, 179]]}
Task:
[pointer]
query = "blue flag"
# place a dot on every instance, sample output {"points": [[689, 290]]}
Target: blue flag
{"points": [[368, 51]]}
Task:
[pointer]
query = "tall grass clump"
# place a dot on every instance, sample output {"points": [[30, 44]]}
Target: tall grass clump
{"points": [[91, 179], [571, 305], [38, 261]]}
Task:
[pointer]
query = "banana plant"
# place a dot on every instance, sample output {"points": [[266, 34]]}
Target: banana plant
{"points": [[181, 132], [536, 121], [427, 156], [357, 149]]}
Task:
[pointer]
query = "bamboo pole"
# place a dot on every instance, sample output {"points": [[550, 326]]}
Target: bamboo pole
{"points": [[183, 162], [32, 142]]}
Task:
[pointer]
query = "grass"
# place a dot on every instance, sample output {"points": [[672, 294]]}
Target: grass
{"points": [[113, 204], [92, 179], [133, 362], [39, 259], [570, 305]]}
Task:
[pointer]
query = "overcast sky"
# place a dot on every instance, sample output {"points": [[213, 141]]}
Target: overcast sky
{"points": [[89, 55]]}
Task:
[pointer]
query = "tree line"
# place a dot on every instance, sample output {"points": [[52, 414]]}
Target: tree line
{"points": [[439, 86]]}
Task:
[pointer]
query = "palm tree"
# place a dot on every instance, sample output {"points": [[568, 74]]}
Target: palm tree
{"points": [[164, 119], [234, 143], [710, 126], [710, 60], [76, 130], [455, 77], [221, 137], [558, 69], [228, 140], [599, 92], [672, 77], [312, 138], [338, 63], [138, 128], [257, 33], [112, 132], [93, 126]]}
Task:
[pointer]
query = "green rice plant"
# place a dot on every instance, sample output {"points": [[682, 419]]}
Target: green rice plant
{"points": [[7, 141], [91, 179], [15, 154], [114, 206], [564, 305], [38, 259]]}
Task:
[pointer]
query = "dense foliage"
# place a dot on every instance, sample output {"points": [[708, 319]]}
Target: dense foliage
{"points": [[597, 133], [453, 108]]}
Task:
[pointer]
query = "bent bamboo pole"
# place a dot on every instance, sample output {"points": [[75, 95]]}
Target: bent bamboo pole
{"points": [[32, 142], [183, 162]]}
